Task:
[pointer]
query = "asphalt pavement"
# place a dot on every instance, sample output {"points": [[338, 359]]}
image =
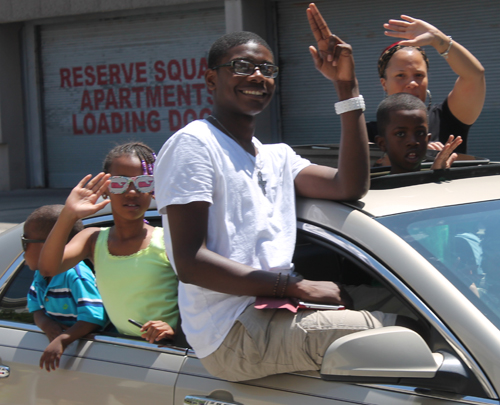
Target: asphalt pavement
{"points": [[16, 205]]}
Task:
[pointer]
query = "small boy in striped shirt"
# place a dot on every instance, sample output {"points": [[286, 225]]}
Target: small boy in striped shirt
{"points": [[67, 306]]}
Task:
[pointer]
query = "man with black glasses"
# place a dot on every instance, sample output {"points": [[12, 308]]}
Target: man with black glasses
{"points": [[228, 205]]}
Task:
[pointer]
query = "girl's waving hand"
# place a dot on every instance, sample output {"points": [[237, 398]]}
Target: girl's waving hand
{"points": [[82, 200]]}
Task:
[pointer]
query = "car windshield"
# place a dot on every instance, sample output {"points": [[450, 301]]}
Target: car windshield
{"points": [[463, 243]]}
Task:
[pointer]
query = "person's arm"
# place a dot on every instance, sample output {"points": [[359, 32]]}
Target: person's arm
{"points": [[53, 352], [50, 327], [333, 58], [466, 99], [197, 265], [445, 158], [56, 257]]}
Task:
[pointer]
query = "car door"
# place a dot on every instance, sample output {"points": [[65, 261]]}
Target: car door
{"points": [[196, 387], [321, 254], [101, 369]]}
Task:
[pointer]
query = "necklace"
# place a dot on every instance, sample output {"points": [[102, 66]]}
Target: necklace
{"points": [[261, 182]]}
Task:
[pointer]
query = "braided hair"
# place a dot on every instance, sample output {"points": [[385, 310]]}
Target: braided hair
{"points": [[388, 52], [145, 154]]}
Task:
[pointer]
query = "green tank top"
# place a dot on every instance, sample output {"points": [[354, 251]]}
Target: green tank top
{"points": [[142, 286]]}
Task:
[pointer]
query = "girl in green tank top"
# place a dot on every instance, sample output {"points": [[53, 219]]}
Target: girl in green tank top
{"points": [[133, 273]]}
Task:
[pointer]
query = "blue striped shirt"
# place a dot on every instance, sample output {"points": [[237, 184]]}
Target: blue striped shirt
{"points": [[68, 297]]}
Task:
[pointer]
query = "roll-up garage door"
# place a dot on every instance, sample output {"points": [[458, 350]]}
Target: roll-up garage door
{"points": [[307, 98], [113, 80]]}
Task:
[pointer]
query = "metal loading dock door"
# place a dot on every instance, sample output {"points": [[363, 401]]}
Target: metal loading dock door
{"points": [[307, 98], [114, 80]]}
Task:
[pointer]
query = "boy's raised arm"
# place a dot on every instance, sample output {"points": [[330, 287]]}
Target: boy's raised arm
{"points": [[57, 257], [333, 58]]}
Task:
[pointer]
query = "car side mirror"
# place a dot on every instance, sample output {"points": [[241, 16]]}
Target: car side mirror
{"points": [[395, 355], [383, 353]]}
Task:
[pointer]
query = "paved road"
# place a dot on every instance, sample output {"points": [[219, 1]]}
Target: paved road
{"points": [[16, 205]]}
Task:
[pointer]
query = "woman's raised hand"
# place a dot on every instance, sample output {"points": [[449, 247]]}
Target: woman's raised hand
{"points": [[333, 57], [82, 200], [415, 32]]}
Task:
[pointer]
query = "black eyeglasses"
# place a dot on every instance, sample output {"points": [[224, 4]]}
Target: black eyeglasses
{"points": [[25, 242], [246, 68]]}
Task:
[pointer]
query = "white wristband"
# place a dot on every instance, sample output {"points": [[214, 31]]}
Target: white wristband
{"points": [[351, 104]]}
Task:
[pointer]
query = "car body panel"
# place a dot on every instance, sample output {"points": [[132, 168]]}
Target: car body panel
{"points": [[305, 388], [90, 372], [11, 247], [110, 369], [431, 195]]}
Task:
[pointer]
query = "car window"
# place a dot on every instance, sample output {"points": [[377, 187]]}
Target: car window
{"points": [[13, 299], [462, 242], [13, 306], [13, 294], [317, 259], [323, 255]]}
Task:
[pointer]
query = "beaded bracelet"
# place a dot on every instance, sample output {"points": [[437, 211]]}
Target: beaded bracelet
{"points": [[445, 53], [275, 289], [284, 286]]}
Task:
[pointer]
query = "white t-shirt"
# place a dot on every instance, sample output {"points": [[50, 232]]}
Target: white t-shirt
{"points": [[200, 163]]}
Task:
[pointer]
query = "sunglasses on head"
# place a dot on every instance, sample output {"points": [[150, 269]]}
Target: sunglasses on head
{"points": [[143, 184], [25, 242]]}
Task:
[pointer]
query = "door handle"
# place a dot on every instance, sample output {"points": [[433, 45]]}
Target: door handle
{"points": [[218, 397], [4, 371]]}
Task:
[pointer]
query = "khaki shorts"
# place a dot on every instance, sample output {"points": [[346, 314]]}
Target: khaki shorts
{"points": [[273, 341]]}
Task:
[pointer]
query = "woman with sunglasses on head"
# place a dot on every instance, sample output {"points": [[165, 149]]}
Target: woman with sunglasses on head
{"points": [[403, 68], [134, 275]]}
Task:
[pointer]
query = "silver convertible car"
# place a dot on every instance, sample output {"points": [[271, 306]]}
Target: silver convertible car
{"points": [[424, 244]]}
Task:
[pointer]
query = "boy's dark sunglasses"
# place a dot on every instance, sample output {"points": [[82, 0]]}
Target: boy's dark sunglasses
{"points": [[245, 68], [25, 242]]}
